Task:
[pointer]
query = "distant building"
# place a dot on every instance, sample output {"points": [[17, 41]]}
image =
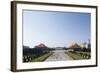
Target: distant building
{"points": [[41, 45], [75, 47]]}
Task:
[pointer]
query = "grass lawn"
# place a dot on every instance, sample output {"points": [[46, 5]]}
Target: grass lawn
{"points": [[42, 58], [79, 55]]}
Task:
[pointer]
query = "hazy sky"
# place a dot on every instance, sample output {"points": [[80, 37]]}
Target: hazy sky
{"points": [[55, 29]]}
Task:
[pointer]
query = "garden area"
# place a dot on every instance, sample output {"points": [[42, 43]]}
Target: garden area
{"points": [[79, 55]]}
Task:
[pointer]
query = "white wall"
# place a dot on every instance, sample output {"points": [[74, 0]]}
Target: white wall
{"points": [[5, 37]]}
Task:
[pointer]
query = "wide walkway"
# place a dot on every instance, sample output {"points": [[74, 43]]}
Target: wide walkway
{"points": [[58, 55]]}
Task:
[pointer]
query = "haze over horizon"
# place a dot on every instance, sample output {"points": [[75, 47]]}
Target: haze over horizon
{"points": [[55, 29]]}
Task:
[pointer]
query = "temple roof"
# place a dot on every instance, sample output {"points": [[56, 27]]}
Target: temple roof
{"points": [[75, 46], [41, 45]]}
